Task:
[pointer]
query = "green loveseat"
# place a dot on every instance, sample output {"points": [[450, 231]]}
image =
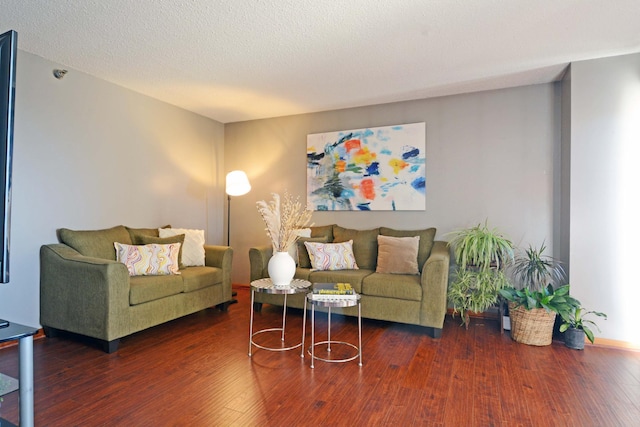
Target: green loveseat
{"points": [[84, 290], [414, 299]]}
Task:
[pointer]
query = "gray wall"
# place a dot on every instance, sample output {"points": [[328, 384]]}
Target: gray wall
{"points": [[490, 155], [605, 200], [89, 154]]}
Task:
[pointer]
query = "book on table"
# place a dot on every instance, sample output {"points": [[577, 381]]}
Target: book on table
{"points": [[323, 291]]}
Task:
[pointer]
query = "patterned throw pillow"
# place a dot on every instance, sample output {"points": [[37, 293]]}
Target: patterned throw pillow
{"points": [[303, 254], [331, 256], [146, 240], [193, 249], [149, 260]]}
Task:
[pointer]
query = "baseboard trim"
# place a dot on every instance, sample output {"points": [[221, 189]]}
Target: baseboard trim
{"points": [[615, 344], [239, 285]]}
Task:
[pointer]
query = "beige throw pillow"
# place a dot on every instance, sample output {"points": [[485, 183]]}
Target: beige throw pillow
{"points": [[193, 248], [398, 255]]}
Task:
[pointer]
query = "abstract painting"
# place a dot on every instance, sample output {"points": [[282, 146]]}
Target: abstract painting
{"points": [[382, 168]]}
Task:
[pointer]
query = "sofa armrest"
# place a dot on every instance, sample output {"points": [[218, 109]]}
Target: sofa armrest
{"points": [[85, 295], [220, 257], [259, 260], [435, 279]]}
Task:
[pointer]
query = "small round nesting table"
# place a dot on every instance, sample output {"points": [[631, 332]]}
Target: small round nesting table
{"points": [[266, 286], [329, 302]]}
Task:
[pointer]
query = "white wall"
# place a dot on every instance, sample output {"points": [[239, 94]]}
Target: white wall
{"points": [[605, 196], [490, 155], [89, 154]]}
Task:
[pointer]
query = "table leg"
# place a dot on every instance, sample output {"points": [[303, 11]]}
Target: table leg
{"points": [[251, 322], [359, 334], [304, 325], [329, 331], [26, 381], [284, 315], [313, 333]]}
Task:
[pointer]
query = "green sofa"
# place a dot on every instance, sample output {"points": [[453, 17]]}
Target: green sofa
{"points": [[413, 299], [84, 290]]}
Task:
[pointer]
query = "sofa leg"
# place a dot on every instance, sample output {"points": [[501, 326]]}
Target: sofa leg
{"points": [[434, 332], [110, 346], [257, 307], [50, 332], [224, 307]]}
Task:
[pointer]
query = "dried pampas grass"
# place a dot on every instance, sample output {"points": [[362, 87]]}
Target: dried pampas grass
{"points": [[283, 220]]}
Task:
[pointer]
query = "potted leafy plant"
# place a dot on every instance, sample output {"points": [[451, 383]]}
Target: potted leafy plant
{"points": [[535, 271], [480, 254], [533, 313], [534, 305], [575, 326]]}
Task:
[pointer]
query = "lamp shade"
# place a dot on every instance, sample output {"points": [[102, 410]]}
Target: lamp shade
{"points": [[237, 183]]}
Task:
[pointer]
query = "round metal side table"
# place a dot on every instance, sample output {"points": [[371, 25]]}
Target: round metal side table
{"points": [[266, 286], [329, 302]]}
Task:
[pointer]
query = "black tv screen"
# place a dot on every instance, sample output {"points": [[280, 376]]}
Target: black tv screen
{"points": [[8, 52]]}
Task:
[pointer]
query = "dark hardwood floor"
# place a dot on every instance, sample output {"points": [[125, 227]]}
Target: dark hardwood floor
{"points": [[195, 371]]}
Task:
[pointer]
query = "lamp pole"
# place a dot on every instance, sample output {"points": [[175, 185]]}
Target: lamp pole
{"points": [[228, 220], [237, 184]]}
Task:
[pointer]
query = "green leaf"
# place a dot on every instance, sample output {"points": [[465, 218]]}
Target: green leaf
{"points": [[589, 334]]}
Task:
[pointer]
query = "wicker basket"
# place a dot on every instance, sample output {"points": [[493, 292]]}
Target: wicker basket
{"points": [[532, 327]]}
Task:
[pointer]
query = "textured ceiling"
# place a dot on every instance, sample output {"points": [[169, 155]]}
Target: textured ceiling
{"points": [[235, 60]]}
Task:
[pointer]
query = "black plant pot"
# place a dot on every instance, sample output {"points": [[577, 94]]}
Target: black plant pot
{"points": [[574, 338]]}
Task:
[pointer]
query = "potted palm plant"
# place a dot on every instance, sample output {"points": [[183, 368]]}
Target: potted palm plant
{"points": [[575, 326], [533, 306], [480, 254]]}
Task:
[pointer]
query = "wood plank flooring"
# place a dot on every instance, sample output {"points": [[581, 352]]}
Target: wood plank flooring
{"points": [[195, 371]]}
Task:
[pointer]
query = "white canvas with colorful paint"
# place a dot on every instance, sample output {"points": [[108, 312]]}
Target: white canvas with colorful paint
{"points": [[382, 168]]}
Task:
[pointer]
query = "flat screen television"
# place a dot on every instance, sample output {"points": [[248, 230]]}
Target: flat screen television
{"points": [[8, 52]]}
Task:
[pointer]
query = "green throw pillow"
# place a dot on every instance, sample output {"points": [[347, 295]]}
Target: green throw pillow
{"points": [[365, 244]]}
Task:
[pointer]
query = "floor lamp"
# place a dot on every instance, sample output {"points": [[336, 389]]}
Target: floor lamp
{"points": [[237, 184]]}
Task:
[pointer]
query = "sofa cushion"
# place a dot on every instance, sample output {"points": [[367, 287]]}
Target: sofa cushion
{"points": [[95, 243], [426, 241], [146, 240], [148, 288], [331, 256], [149, 260], [365, 244], [193, 248], [303, 255], [354, 277], [200, 277], [323, 231], [398, 255], [405, 287], [302, 273]]}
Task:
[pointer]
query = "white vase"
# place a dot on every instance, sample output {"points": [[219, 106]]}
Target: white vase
{"points": [[281, 269]]}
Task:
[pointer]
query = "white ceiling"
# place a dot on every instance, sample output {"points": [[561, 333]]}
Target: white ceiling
{"points": [[235, 60]]}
